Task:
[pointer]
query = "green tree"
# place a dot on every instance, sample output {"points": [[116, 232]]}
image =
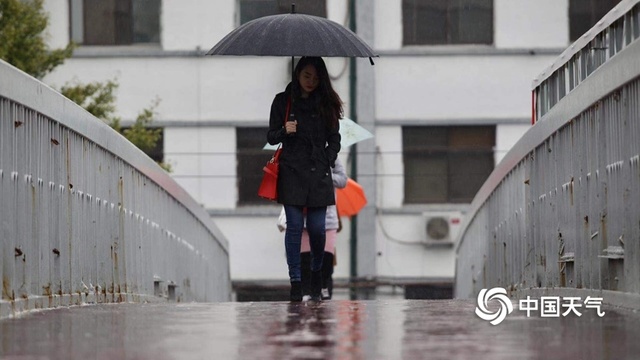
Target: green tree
{"points": [[98, 99], [22, 43]]}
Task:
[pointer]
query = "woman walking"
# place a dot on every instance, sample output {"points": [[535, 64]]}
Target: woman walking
{"points": [[332, 227], [310, 146]]}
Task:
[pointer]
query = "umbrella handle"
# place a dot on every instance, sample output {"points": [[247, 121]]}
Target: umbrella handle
{"points": [[293, 75], [289, 116]]}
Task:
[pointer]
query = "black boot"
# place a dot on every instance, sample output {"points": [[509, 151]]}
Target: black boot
{"points": [[327, 276], [316, 286], [296, 291], [305, 272]]}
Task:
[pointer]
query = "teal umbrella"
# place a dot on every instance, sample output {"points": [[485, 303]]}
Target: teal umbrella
{"points": [[350, 133]]}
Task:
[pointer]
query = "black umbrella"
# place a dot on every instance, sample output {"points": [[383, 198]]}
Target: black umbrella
{"points": [[293, 35]]}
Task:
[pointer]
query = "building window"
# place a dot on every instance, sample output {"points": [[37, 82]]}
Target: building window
{"points": [[115, 22], [446, 164], [251, 158], [583, 14], [447, 22], [253, 9]]}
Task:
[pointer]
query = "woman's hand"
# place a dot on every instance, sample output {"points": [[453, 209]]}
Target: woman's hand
{"points": [[291, 127]]}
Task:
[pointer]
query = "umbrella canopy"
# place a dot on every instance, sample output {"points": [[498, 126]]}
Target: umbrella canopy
{"points": [[350, 133], [350, 199], [292, 35]]}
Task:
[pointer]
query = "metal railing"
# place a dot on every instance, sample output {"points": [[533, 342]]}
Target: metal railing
{"points": [[87, 217], [613, 33], [560, 212]]}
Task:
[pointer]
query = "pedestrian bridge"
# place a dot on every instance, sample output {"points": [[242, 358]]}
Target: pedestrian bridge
{"points": [[551, 246]]}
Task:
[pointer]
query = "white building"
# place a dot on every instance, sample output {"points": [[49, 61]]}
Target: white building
{"points": [[446, 99]]}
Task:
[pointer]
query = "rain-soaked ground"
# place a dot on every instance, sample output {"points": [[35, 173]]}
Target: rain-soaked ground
{"points": [[336, 329]]}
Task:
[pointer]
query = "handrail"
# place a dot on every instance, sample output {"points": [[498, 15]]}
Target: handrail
{"points": [[613, 33], [88, 217]]}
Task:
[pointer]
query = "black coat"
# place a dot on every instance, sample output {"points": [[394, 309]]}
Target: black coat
{"points": [[307, 156]]}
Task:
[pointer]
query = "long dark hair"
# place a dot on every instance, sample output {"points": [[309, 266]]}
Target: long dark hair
{"points": [[329, 102]]}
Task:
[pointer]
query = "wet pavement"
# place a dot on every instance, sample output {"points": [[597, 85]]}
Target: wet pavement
{"points": [[337, 329]]}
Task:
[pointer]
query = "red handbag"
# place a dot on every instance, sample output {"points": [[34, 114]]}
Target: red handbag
{"points": [[269, 185]]}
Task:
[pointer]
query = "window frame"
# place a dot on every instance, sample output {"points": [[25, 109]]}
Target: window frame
{"points": [[438, 152], [412, 37], [125, 37]]}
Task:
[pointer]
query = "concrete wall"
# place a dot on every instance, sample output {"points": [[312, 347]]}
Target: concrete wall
{"points": [[87, 217]]}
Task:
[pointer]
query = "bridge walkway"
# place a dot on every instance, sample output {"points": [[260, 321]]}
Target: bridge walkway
{"points": [[336, 329]]}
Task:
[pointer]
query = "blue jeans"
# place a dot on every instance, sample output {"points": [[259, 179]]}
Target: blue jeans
{"points": [[293, 237]]}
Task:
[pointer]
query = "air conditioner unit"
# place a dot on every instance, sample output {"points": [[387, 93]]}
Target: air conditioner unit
{"points": [[441, 228]]}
